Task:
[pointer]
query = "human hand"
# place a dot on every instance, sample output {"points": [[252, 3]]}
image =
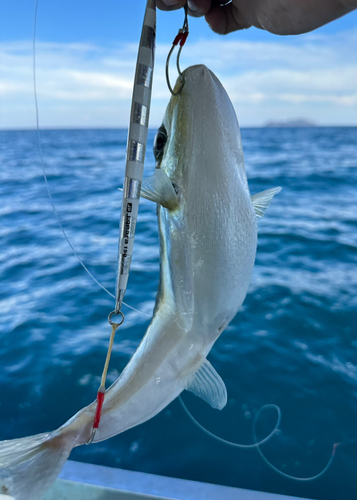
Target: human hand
{"points": [[281, 17]]}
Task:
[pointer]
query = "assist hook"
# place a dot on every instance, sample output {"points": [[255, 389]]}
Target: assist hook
{"points": [[101, 390], [180, 39]]}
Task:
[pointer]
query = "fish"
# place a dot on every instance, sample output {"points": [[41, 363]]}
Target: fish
{"points": [[208, 237]]}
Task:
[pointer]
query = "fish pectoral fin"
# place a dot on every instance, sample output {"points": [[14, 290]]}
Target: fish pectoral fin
{"points": [[261, 201], [159, 188], [208, 385]]}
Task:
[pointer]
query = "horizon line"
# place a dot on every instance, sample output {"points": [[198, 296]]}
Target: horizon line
{"points": [[34, 128]]}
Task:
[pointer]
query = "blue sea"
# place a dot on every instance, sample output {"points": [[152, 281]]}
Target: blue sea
{"points": [[293, 344]]}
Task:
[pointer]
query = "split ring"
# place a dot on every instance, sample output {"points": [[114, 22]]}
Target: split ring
{"points": [[114, 323]]}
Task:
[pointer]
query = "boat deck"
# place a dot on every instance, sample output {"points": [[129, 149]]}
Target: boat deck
{"points": [[80, 481]]}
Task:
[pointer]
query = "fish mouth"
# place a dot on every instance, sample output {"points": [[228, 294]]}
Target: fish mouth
{"points": [[197, 68], [199, 74], [193, 75]]}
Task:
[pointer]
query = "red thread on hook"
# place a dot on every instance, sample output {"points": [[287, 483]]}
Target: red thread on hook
{"points": [[98, 412], [183, 38], [177, 39]]}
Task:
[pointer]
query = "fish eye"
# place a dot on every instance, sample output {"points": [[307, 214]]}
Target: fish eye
{"points": [[176, 189], [159, 142]]}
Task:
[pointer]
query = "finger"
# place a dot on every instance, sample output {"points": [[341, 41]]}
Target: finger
{"points": [[226, 19], [170, 4], [198, 8]]}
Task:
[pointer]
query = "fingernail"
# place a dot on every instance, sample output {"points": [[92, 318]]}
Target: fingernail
{"points": [[170, 3], [192, 6], [194, 10]]}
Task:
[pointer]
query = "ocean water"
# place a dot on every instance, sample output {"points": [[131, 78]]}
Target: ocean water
{"points": [[294, 343]]}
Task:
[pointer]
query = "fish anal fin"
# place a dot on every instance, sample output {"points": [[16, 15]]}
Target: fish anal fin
{"points": [[208, 385], [261, 201]]}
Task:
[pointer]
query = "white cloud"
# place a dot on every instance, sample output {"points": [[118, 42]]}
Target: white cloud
{"points": [[312, 76]]}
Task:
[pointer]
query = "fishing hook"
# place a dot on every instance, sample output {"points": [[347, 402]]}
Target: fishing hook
{"points": [[180, 39], [101, 390], [90, 440]]}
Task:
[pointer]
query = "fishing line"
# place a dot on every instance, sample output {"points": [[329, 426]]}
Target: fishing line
{"points": [[231, 443], [45, 175], [257, 443]]}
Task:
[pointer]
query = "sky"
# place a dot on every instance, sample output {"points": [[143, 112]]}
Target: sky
{"points": [[86, 54]]}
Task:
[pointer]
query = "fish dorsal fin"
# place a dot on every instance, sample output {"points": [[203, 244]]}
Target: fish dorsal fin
{"points": [[261, 201], [158, 188], [208, 385]]}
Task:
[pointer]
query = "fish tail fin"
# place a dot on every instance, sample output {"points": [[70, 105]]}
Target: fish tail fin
{"points": [[28, 466]]}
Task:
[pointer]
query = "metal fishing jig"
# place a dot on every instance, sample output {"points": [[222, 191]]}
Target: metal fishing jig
{"points": [[180, 39]]}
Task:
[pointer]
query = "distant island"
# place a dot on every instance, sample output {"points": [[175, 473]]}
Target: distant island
{"points": [[290, 123]]}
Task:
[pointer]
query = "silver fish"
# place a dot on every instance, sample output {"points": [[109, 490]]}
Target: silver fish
{"points": [[208, 237]]}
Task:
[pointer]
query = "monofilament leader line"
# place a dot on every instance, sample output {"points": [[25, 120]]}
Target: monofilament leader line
{"points": [[44, 170], [257, 444]]}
